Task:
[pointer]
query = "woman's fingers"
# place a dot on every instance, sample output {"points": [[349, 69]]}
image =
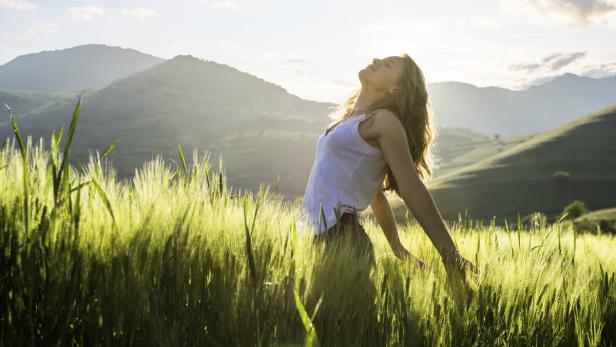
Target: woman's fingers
{"points": [[420, 263], [471, 266]]}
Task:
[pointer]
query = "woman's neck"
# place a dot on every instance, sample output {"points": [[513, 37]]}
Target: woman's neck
{"points": [[365, 102]]}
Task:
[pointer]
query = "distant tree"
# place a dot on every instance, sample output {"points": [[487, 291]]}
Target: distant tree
{"points": [[560, 174], [574, 210], [499, 141], [561, 177]]}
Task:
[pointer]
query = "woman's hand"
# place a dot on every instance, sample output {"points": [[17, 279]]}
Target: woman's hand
{"points": [[403, 254], [456, 263]]}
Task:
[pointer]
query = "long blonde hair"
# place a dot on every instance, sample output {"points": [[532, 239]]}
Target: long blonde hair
{"points": [[412, 107]]}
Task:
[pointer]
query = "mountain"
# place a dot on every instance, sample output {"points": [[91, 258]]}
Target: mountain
{"points": [[494, 110], [576, 161], [74, 69], [258, 127]]}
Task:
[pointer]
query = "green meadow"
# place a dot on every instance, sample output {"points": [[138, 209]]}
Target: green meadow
{"points": [[176, 257]]}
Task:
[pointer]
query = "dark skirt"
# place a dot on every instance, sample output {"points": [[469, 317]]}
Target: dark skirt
{"points": [[348, 229]]}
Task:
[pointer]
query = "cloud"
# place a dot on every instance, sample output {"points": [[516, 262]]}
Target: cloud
{"points": [[555, 61], [524, 67], [580, 13], [86, 12], [19, 5], [599, 70], [558, 60], [37, 29], [138, 12], [551, 62]]}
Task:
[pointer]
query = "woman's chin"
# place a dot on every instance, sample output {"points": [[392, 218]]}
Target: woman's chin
{"points": [[361, 75], [362, 80]]}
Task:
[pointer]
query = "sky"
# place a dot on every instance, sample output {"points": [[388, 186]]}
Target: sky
{"points": [[315, 49]]}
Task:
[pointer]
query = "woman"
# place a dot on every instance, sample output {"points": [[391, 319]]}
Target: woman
{"points": [[379, 142]]}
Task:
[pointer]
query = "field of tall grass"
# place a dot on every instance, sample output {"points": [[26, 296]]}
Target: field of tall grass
{"points": [[176, 257]]}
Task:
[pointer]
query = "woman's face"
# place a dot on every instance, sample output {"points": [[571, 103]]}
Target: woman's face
{"points": [[382, 74]]}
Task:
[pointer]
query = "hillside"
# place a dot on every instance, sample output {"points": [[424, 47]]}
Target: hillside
{"points": [[456, 147], [23, 102], [73, 69], [523, 178], [606, 213], [494, 110]]}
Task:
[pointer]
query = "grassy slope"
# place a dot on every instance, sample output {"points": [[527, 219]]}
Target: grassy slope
{"points": [[456, 156], [520, 179], [607, 213], [22, 102]]}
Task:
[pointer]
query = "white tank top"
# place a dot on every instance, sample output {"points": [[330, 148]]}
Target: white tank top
{"points": [[346, 173]]}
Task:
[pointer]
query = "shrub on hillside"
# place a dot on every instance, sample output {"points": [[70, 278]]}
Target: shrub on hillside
{"points": [[559, 174], [561, 177], [574, 210]]}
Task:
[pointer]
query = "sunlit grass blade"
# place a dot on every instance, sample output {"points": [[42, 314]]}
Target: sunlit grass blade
{"points": [[26, 169], [110, 148], [519, 232], [182, 160], [509, 236], [62, 179], [55, 141], [105, 199], [311, 334], [249, 253]]}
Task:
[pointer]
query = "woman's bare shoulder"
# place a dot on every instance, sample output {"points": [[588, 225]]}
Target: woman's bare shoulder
{"points": [[385, 121]]}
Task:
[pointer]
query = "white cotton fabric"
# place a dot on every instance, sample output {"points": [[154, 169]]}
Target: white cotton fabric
{"points": [[346, 173]]}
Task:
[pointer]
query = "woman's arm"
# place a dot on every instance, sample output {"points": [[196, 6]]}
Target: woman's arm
{"points": [[385, 217], [418, 199], [393, 142], [421, 204]]}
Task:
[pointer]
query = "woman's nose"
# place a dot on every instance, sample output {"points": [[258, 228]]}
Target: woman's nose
{"points": [[375, 60]]}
